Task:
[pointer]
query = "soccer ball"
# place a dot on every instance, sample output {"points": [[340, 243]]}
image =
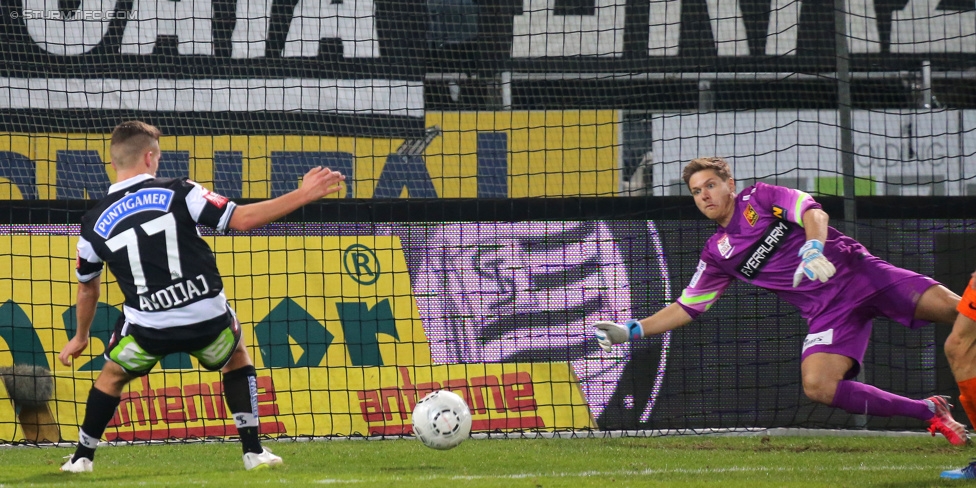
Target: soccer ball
{"points": [[441, 420]]}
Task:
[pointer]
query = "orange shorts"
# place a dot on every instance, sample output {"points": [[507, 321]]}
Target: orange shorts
{"points": [[967, 306]]}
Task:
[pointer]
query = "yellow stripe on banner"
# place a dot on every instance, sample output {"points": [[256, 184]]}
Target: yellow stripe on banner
{"points": [[550, 153], [517, 154], [8, 417]]}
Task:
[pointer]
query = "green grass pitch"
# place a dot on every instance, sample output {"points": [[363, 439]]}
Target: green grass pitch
{"points": [[746, 461]]}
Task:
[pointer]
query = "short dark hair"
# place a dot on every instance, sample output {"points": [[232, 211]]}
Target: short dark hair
{"points": [[714, 163], [134, 128]]}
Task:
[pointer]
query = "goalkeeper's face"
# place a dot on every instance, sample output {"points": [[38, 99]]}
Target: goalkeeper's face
{"points": [[714, 196]]}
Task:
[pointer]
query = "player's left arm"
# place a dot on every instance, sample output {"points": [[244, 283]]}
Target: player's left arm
{"points": [[800, 208], [814, 265], [815, 222]]}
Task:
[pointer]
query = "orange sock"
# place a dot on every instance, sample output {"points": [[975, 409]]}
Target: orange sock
{"points": [[967, 397]]}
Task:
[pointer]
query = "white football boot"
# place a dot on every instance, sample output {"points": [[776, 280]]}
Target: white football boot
{"points": [[260, 461], [82, 465]]}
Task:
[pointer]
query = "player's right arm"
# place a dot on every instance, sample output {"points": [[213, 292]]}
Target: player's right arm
{"points": [[87, 300], [668, 318], [703, 291], [317, 183], [88, 269]]}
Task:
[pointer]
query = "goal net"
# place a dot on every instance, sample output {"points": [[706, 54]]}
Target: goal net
{"points": [[513, 174]]}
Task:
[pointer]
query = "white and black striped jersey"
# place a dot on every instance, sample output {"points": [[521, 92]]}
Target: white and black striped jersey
{"points": [[145, 229]]}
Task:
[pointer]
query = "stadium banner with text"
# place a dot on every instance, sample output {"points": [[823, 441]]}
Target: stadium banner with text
{"points": [[224, 66], [329, 401], [332, 322], [896, 152], [461, 155], [680, 36]]}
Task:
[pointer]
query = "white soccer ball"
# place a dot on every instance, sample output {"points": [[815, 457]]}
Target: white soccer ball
{"points": [[441, 420]]}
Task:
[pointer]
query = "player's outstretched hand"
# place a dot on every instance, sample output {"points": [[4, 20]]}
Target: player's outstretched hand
{"points": [[72, 350], [610, 333], [319, 182], [814, 265]]}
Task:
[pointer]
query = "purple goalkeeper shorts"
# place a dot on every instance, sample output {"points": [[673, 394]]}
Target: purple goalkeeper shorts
{"points": [[878, 289]]}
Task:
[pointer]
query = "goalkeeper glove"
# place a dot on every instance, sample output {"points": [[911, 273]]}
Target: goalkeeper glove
{"points": [[610, 333], [814, 265]]}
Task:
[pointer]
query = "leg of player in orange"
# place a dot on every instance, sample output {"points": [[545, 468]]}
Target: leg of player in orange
{"points": [[960, 349]]}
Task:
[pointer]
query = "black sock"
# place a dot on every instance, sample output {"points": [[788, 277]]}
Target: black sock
{"points": [[98, 413], [241, 392]]}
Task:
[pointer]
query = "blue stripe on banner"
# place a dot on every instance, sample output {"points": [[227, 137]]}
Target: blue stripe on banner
{"points": [[492, 165], [174, 164], [87, 172], [19, 169], [408, 171], [228, 173]]}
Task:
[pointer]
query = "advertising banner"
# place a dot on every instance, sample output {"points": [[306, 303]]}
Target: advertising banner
{"points": [[324, 401], [353, 67], [462, 155], [896, 152], [332, 323], [694, 36]]}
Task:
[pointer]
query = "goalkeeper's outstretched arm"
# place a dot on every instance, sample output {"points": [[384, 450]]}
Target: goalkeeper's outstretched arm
{"points": [[668, 318]]}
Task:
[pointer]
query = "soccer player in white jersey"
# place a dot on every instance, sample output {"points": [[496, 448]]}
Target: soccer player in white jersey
{"points": [[145, 230]]}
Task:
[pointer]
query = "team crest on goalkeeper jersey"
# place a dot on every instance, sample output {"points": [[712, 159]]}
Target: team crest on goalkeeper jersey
{"points": [[750, 214]]}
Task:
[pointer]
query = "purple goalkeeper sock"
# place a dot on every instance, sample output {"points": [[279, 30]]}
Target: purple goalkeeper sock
{"points": [[859, 398]]}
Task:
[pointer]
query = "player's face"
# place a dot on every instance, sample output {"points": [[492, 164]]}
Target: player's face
{"points": [[714, 196]]}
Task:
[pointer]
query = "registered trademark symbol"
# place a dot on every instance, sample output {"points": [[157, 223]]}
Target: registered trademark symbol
{"points": [[361, 264]]}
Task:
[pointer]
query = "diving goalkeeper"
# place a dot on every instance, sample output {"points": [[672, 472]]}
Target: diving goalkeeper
{"points": [[778, 239]]}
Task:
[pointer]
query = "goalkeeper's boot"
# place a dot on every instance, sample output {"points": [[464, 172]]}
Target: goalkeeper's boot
{"points": [[261, 460], [82, 465], [943, 423], [965, 473]]}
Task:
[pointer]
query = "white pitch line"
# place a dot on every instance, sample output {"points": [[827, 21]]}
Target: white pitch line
{"points": [[643, 472]]}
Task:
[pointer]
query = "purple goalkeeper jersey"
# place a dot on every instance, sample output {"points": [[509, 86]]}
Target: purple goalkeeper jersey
{"points": [[761, 245]]}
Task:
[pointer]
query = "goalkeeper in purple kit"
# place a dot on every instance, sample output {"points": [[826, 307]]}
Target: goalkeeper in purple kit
{"points": [[778, 239]]}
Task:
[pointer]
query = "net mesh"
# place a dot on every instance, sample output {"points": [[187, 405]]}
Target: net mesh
{"points": [[513, 174]]}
